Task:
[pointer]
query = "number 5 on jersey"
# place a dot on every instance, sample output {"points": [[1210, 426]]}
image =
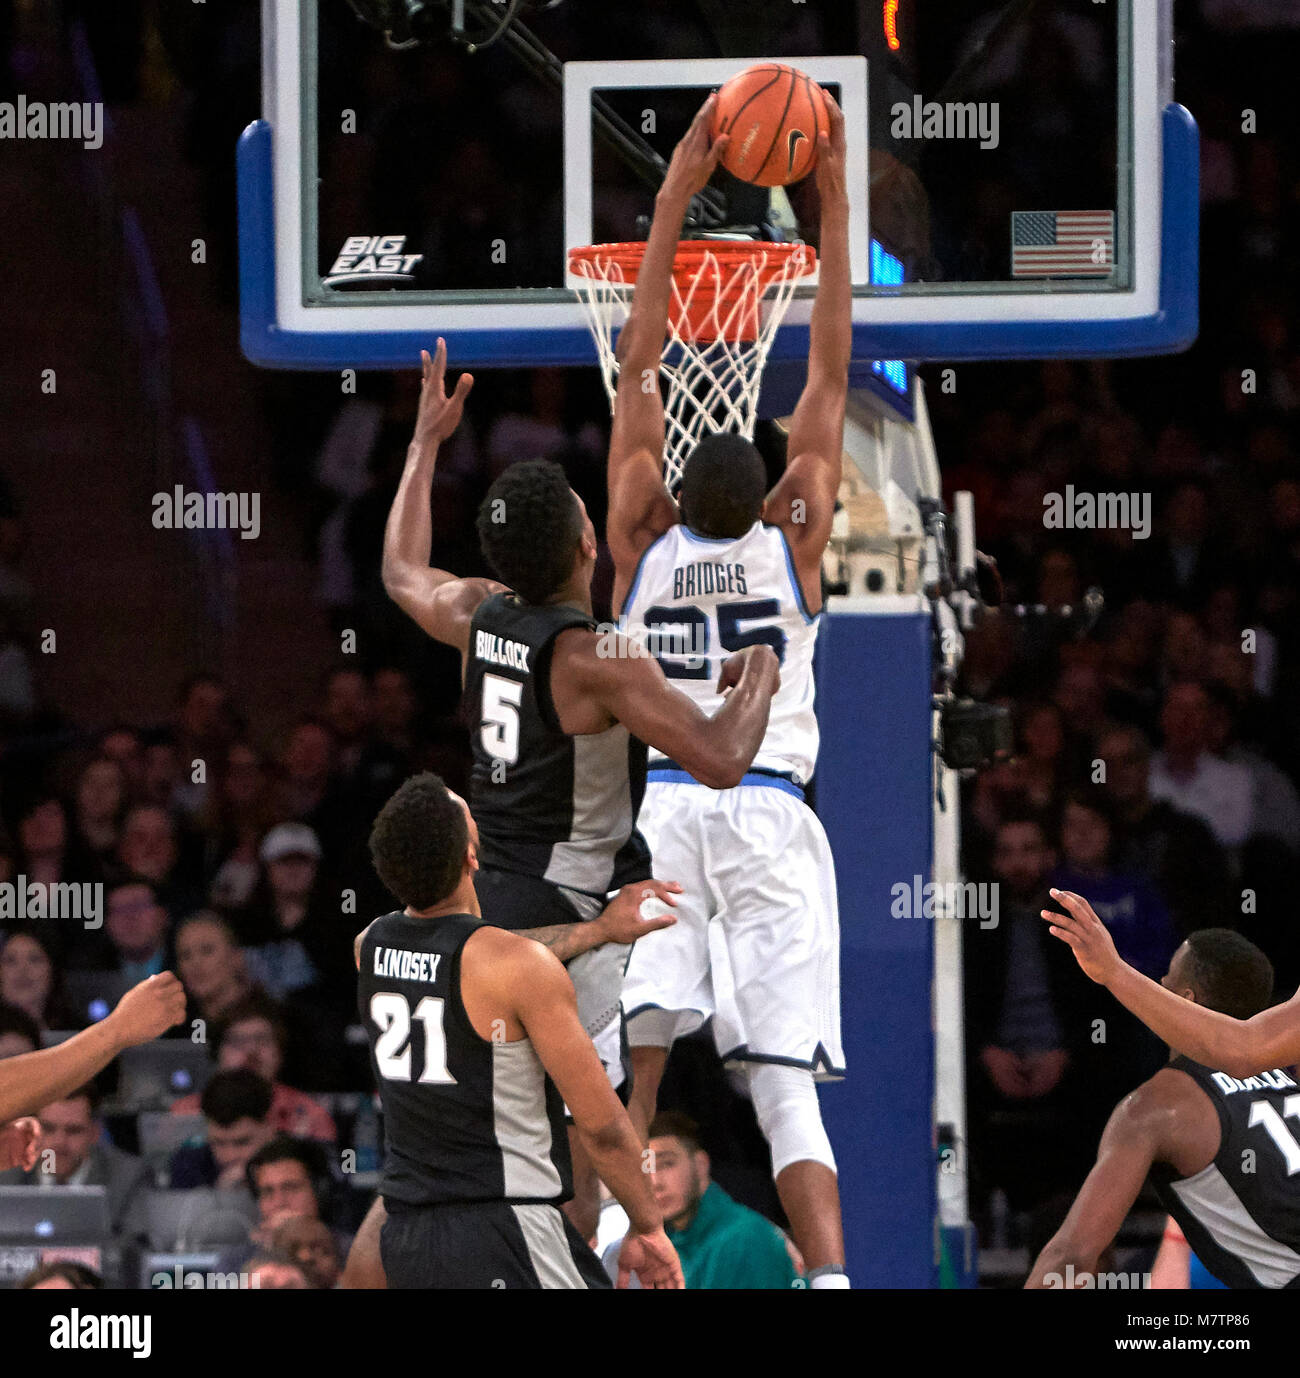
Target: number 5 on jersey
{"points": [[499, 728]]}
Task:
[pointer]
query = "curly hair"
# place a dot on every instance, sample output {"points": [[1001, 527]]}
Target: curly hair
{"points": [[529, 527], [418, 842]]}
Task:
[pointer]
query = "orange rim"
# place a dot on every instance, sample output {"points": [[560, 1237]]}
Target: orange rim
{"points": [[736, 304]]}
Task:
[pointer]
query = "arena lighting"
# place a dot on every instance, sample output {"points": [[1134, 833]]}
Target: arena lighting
{"points": [[891, 25]]}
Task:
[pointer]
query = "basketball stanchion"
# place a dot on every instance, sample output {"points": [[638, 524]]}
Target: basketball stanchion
{"points": [[729, 297]]}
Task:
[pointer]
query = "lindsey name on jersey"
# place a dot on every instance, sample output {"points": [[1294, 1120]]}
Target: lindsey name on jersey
{"points": [[706, 577], [403, 965]]}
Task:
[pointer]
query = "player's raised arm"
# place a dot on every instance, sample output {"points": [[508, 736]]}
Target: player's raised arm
{"points": [[437, 600], [31, 1080], [546, 1006], [640, 508], [620, 680], [1240, 1047], [803, 503]]}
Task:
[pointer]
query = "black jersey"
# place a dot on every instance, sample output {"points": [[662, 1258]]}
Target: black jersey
{"points": [[465, 1118], [547, 804], [1241, 1215]]}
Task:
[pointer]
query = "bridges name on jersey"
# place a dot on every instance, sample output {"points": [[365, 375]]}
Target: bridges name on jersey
{"points": [[695, 601]]}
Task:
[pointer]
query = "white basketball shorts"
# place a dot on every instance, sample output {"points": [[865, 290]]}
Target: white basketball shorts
{"points": [[756, 943]]}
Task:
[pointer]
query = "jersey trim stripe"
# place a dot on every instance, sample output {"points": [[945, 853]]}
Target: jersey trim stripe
{"points": [[1224, 1217], [666, 775], [800, 601], [636, 573]]}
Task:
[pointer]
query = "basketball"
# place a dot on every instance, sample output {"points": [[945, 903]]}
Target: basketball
{"points": [[774, 114]]}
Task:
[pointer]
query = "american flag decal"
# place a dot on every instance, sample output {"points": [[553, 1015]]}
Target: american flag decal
{"points": [[1074, 244]]}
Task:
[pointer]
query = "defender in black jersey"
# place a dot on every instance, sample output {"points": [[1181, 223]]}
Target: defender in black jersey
{"points": [[560, 710], [474, 1040], [1223, 1152]]}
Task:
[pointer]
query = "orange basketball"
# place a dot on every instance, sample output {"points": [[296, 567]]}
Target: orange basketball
{"points": [[774, 114]]}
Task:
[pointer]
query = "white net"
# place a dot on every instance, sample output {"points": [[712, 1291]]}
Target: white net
{"points": [[728, 299]]}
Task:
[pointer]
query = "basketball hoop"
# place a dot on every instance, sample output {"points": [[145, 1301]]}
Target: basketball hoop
{"points": [[719, 333]]}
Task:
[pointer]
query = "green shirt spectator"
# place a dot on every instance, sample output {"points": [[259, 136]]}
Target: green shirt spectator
{"points": [[727, 1245]]}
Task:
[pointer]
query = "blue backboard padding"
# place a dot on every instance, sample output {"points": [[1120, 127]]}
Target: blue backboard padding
{"points": [[1171, 328], [874, 800]]}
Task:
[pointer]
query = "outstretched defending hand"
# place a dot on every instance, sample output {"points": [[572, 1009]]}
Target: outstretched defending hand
{"points": [[439, 414], [148, 1009], [693, 159], [1090, 939], [832, 185]]}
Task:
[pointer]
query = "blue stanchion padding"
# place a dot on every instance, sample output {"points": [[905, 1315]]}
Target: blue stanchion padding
{"points": [[873, 791]]}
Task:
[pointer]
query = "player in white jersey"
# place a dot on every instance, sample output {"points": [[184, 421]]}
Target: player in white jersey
{"points": [[756, 944]]}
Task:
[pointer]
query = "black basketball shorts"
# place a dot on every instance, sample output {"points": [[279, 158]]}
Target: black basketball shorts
{"points": [[492, 1244]]}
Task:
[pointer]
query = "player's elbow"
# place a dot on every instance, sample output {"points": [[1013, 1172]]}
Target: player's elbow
{"points": [[717, 769]]}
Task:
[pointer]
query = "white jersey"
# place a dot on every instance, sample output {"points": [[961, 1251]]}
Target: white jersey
{"points": [[696, 600]]}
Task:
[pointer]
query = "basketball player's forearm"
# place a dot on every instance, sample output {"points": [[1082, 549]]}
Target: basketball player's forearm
{"points": [[408, 535], [740, 724], [1241, 1048], [566, 940], [32, 1080], [642, 340], [619, 1160], [831, 327]]}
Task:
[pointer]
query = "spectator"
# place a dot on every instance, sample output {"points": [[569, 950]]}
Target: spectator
{"points": [[236, 1107], [253, 1036], [1275, 805], [62, 1276], [100, 802], [29, 979], [149, 848], [136, 925], [1188, 775], [236, 818], [1128, 906], [205, 727], [721, 1244], [290, 947], [209, 961], [346, 712], [1174, 852], [74, 1153], [19, 1032], [270, 1272], [1025, 1029], [288, 1177], [124, 745], [312, 1246]]}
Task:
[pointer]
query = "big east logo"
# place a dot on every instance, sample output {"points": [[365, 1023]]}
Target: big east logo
{"points": [[372, 258]]}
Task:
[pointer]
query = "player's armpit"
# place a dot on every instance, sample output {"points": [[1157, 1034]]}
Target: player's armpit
{"points": [[1132, 1140], [442, 607], [640, 508]]}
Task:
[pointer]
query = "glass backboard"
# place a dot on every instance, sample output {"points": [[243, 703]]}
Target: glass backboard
{"points": [[1023, 184]]}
